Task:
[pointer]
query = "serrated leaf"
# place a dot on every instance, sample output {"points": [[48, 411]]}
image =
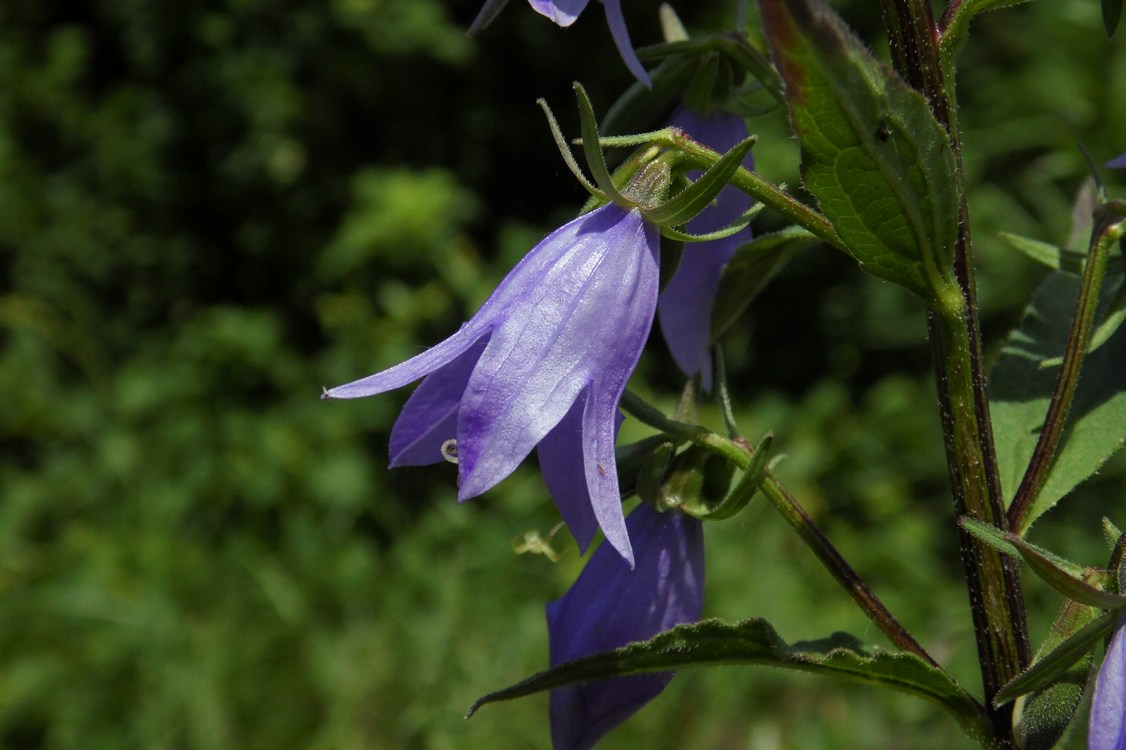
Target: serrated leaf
{"points": [[876, 159], [1020, 389], [755, 641], [1054, 664], [753, 265]]}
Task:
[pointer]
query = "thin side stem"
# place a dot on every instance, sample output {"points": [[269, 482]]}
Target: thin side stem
{"points": [[1079, 338], [740, 455]]}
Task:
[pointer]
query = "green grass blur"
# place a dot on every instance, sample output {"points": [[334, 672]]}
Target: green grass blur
{"points": [[210, 210]]}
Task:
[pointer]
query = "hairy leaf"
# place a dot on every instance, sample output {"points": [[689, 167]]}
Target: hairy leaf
{"points": [[879, 164], [1020, 389], [755, 641]]}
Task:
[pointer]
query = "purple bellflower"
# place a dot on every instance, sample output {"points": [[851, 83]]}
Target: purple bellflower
{"points": [[1107, 728], [1118, 162], [685, 305], [611, 605], [564, 13], [543, 362]]}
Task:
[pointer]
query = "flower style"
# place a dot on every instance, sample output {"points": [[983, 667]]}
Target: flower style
{"points": [[1107, 728], [609, 606], [1118, 162], [564, 13], [685, 305], [544, 361]]}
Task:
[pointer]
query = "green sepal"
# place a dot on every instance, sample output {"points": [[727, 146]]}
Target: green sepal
{"points": [[697, 481], [699, 195], [745, 489], [1057, 661], [595, 160], [1043, 717], [751, 268], [754, 641], [733, 228], [1069, 579]]}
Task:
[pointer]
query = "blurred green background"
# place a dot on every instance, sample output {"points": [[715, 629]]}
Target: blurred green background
{"points": [[208, 210]]}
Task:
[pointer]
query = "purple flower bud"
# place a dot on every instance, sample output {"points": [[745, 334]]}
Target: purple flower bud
{"points": [[544, 361], [1118, 162], [609, 606], [685, 305], [1107, 728], [564, 13]]}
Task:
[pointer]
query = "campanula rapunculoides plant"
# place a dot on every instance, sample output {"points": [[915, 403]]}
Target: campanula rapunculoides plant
{"points": [[545, 362]]}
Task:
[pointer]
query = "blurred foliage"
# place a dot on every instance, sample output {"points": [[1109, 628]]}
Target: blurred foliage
{"points": [[208, 210]]}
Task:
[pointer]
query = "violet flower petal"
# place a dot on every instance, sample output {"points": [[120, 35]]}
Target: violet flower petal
{"points": [[560, 452], [429, 418], [1118, 162], [1107, 727], [617, 23], [685, 305], [609, 606], [571, 318], [562, 12]]}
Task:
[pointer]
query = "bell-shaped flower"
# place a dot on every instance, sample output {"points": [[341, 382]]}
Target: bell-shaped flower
{"points": [[1118, 162], [1107, 728], [543, 362], [685, 306], [564, 13], [611, 605]]}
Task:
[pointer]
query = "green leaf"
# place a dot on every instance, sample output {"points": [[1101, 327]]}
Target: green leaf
{"points": [[879, 164], [1112, 12], [1044, 671], [1053, 256], [1020, 389], [1042, 718], [755, 641], [754, 264]]}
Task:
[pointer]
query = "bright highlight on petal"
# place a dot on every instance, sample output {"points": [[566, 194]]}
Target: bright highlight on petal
{"points": [[556, 341], [609, 606], [563, 12], [685, 305]]}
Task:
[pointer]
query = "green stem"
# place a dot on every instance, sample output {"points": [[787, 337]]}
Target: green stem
{"points": [[1108, 229], [739, 454], [992, 578]]}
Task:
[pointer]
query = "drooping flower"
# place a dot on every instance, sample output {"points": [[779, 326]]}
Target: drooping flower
{"points": [[685, 305], [1107, 727], [611, 605], [543, 362], [564, 13], [1118, 162]]}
